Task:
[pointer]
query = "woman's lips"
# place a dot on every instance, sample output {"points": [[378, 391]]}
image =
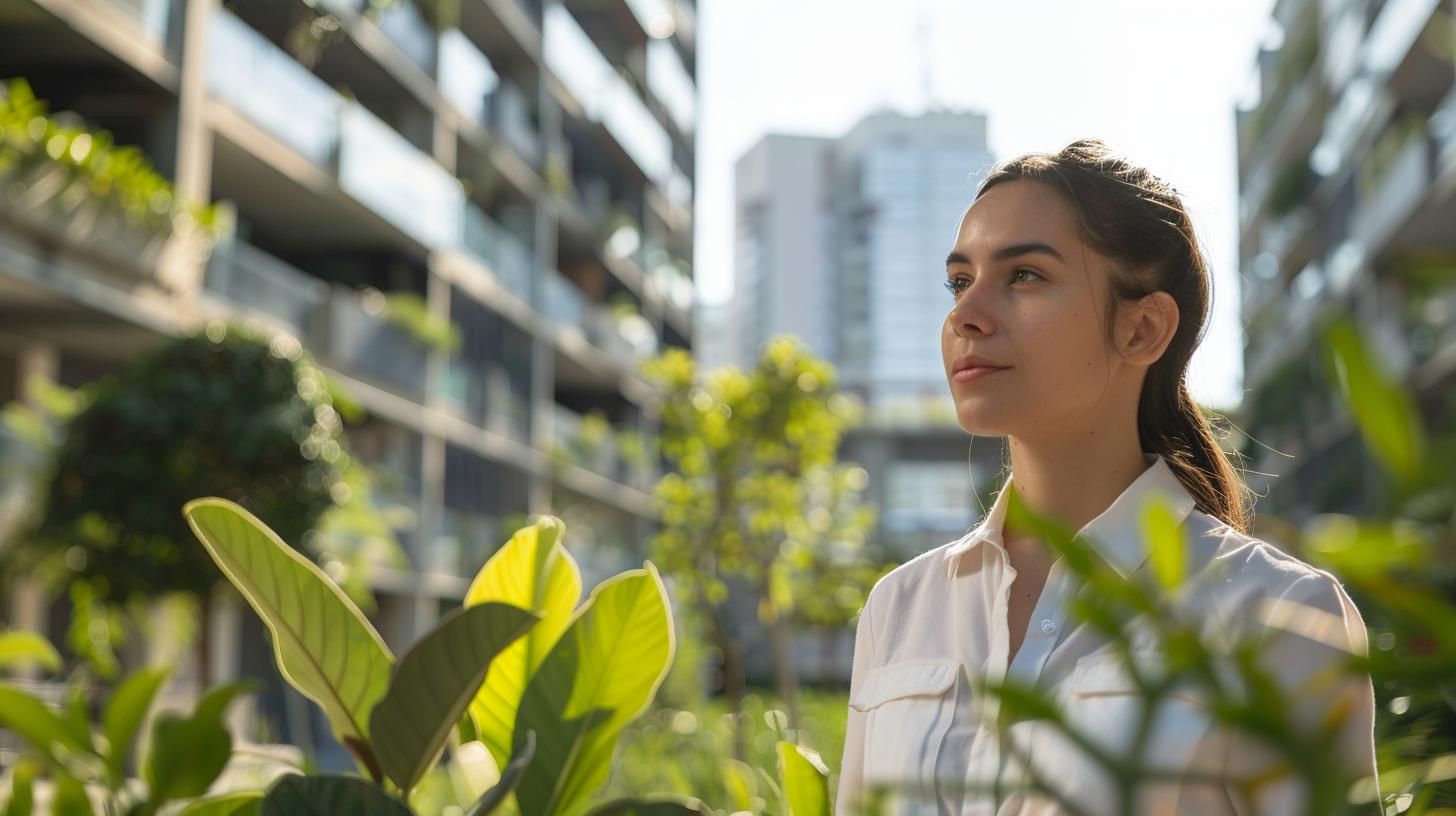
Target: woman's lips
{"points": [[975, 373]]}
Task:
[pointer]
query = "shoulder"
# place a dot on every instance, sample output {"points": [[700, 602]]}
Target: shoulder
{"points": [[920, 580], [1264, 581]]}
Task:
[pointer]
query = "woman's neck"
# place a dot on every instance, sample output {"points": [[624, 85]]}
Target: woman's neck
{"points": [[1075, 482]]}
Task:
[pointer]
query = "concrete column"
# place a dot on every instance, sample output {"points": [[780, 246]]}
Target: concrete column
{"points": [[182, 264], [27, 598]]}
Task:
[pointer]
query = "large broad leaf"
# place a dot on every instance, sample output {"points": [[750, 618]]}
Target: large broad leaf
{"points": [[806, 780], [602, 674], [186, 754], [532, 571], [124, 714], [20, 649], [36, 724], [295, 795], [246, 803], [324, 645], [435, 682], [509, 778]]}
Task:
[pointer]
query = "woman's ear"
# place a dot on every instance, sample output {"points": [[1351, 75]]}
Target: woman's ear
{"points": [[1147, 327]]}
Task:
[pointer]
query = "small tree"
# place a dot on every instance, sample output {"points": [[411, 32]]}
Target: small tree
{"points": [[223, 412], [756, 495]]}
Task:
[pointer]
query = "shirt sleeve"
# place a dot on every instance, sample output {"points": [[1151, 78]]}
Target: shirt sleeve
{"points": [[851, 790], [1302, 651]]}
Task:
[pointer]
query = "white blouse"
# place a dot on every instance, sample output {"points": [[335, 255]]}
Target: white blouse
{"points": [[914, 718]]}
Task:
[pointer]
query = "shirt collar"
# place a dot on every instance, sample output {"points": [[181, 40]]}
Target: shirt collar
{"points": [[1114, 534]]}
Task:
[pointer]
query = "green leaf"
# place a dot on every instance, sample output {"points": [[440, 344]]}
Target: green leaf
{"points": [[600, 676], [245, 803], [22, 788], [323, 644], [532, 571], [69, 798], [806, 780], [435, 682], [186, 754], [21, 649], [124, 714], [509, 778], [35, 723], [1384, 411], [657, 806], [1166, 550], [295, 795]]}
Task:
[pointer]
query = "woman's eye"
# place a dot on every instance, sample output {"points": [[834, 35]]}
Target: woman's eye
{"points": [[954, 284]]}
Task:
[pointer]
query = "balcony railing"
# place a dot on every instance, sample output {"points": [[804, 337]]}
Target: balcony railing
{"points": [[603, 95], [266, 85], [1443, 132], [360, 340], [509, 258], [257, 282], [589, 442], [467, 78], [1393, 185], [564, 303], [384, 171], [154, 16]]}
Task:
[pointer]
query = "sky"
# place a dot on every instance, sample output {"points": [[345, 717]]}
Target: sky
{"points": [[1158, 81]]}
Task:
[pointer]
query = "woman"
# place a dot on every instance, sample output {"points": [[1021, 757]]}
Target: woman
{"points": [[1079, 294]]}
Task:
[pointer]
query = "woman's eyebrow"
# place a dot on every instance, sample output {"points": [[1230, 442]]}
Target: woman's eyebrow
{"points": [[1013, 251]]}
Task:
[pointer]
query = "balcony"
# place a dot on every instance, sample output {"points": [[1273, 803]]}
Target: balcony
{"points": [[467, 78], [152, 16], [267, 86], [257, 282], [360, 340], [670, 84], [603, 96], [1443, 133], [510, 259], [382, 170], [590, 442], [1392, 185], [563, 303]]}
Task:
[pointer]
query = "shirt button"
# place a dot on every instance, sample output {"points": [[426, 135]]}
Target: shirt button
{"points": [[1048, 626]]}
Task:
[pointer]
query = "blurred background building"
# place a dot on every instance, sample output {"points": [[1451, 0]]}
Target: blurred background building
{"points": [[1347, 179], [842, 242], [525, 171]]}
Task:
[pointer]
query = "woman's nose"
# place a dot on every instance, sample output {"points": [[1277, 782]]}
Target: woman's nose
{"points": [[971, 313]]}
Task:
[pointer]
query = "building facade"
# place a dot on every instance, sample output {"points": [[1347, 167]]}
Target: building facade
{"points": [[523, 168], [1347, 179]]}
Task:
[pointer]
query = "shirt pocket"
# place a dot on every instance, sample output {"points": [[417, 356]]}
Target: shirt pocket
{"points": [[1102, 701], [910, 707]]}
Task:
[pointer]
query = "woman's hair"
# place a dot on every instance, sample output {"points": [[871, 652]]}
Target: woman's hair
{"points": [[1138, 222]]}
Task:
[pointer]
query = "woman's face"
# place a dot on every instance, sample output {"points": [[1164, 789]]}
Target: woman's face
{"points": [[1029, 295]]}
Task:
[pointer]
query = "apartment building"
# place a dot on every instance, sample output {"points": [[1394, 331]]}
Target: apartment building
{"points": [[1347, 179], [523, 167]]}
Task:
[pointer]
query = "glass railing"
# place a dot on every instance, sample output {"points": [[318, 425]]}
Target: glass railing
{"points": [[263, 83], [604, 95], [360, 341], [670, 83], [1395, 182], [465, 389], [255, 281], [467, 79], [565, 304], [510, 260], [1443, 131], [154, 16], [511, 117], [402, 24], [381, 169]]}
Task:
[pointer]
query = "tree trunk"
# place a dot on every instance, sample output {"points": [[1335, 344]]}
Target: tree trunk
{"points": [[785, 678]]}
